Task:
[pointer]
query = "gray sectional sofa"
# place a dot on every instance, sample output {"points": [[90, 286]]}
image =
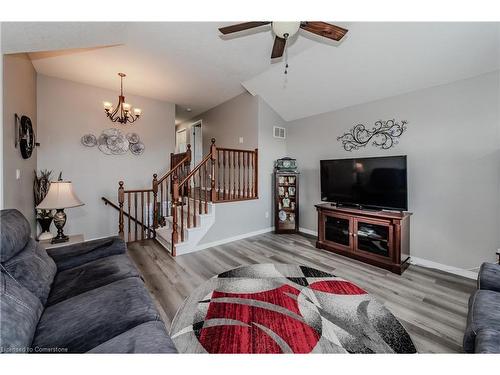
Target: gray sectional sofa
{"points": [[482, 334], [79, 298]]}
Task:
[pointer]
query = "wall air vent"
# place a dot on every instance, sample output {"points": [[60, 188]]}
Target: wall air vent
{"points": [[279, 132]]}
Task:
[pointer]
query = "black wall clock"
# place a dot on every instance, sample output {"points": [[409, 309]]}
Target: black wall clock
{"points": [[26, 136]]}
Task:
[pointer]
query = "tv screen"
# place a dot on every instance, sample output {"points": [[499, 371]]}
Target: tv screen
{"points": [[368, 182]]}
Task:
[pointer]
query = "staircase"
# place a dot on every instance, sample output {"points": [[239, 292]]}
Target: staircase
{"points": [[179, 208]]}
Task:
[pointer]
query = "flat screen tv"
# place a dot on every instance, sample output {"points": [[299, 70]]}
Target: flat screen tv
{"points": [[378, 182]]}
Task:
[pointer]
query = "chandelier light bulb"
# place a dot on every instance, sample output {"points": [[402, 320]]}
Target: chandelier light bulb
{"points": [[107, 106], [126, 107], [137, 111]]}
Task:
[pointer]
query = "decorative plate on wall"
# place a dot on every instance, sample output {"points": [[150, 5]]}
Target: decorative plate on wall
{"points": [[118, 144], [133, 137], [137, 148], [89, 140], [113, 142]]}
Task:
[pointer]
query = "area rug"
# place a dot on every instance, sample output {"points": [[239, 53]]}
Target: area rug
{"points": [[283, 308]]}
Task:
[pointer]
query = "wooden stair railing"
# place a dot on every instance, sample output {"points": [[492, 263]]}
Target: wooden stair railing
{"points": [[181, 156], [237, 174], [142, 211], [137, 222], [163, 186], [224, 175], [134, 204]]}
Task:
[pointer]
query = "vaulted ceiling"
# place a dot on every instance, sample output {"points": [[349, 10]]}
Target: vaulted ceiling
{"points": [[192, 65]]}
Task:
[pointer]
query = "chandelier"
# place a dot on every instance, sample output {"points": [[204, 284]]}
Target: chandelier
{"points": [[123, 112]]}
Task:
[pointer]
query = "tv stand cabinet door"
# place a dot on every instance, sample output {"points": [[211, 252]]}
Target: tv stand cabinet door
{"points": [[374, 238], [337, 231]]}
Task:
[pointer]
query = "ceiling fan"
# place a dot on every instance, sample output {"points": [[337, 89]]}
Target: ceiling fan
{"points": [[285, 30]]}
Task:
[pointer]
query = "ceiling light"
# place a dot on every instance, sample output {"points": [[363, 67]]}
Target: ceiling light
{"points": [[123, 112], [286, 30]]}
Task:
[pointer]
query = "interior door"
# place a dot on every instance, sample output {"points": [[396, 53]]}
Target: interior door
{"points": [[197, 144], [338, 231], [180, 141], [373, 237]]}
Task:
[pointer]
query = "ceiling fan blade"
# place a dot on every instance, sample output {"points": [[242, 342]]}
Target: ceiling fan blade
{"points": [[242, 26], [324, 29], [278, 47]]}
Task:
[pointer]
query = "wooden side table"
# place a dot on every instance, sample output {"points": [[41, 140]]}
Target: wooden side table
{"points": [[75, 238]]}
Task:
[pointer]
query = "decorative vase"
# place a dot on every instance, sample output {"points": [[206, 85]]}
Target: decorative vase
{"points": [[45, 225]]}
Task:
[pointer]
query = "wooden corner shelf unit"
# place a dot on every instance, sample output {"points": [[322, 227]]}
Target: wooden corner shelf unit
{"points": [[380, 238], [286, 202]]}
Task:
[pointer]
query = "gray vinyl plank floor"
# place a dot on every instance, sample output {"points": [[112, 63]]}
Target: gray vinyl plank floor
{"points": [[431, 304]]}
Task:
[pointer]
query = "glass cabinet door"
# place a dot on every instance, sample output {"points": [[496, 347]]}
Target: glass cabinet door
{"points": [[338, 230], [373, 237]]}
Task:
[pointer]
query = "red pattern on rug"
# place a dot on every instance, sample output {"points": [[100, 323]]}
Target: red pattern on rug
{"points": [[337, 287], [238, 339]]}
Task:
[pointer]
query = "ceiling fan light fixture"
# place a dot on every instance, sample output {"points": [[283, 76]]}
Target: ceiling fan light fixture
{"points": [[286, 29]]}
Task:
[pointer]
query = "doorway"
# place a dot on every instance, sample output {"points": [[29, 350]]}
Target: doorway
{"points": [[197, 143], [180, 141]]}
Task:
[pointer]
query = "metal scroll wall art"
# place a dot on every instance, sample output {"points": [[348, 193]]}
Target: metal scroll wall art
{"points": [[384, 134], [114, 142]]}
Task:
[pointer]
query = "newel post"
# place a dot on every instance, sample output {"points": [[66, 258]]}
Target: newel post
{"points": [[175, 201], [121, 200], [256, 171], [172, 160], [188, 154], [155, 204], [213, 157]]}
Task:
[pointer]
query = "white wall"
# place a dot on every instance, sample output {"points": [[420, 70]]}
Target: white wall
{"points": [[19, 93], [270, 149], [227, 122], [453, 148], [68, 110], [1, 121], [249, 117]]}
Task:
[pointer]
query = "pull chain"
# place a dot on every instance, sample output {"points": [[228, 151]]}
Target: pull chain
{"points": [[286, 56]]}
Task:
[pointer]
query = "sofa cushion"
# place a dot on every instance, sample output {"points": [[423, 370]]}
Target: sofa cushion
{"points": [[484, 308], [91, 275], [75, 255], [150, 337], [14, 233], [489, 277], [20, 311], [33, 269], [488, 341], [83, 322]]}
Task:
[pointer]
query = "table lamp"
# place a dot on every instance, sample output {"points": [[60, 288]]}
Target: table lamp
{"points": [[59, 197]]}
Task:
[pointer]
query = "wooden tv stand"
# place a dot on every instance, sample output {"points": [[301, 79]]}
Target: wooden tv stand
{"points": [[380, 238]]}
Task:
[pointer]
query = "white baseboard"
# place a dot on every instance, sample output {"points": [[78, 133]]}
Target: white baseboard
{"points": [[422, 262], [234, 238], [443, 267], [308, 231]]}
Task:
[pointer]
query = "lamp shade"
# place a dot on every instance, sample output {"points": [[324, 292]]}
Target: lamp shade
{"points": [[60, 195]]}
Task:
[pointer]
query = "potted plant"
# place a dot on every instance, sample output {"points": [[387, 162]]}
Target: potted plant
{"points": [[41, 186]]}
